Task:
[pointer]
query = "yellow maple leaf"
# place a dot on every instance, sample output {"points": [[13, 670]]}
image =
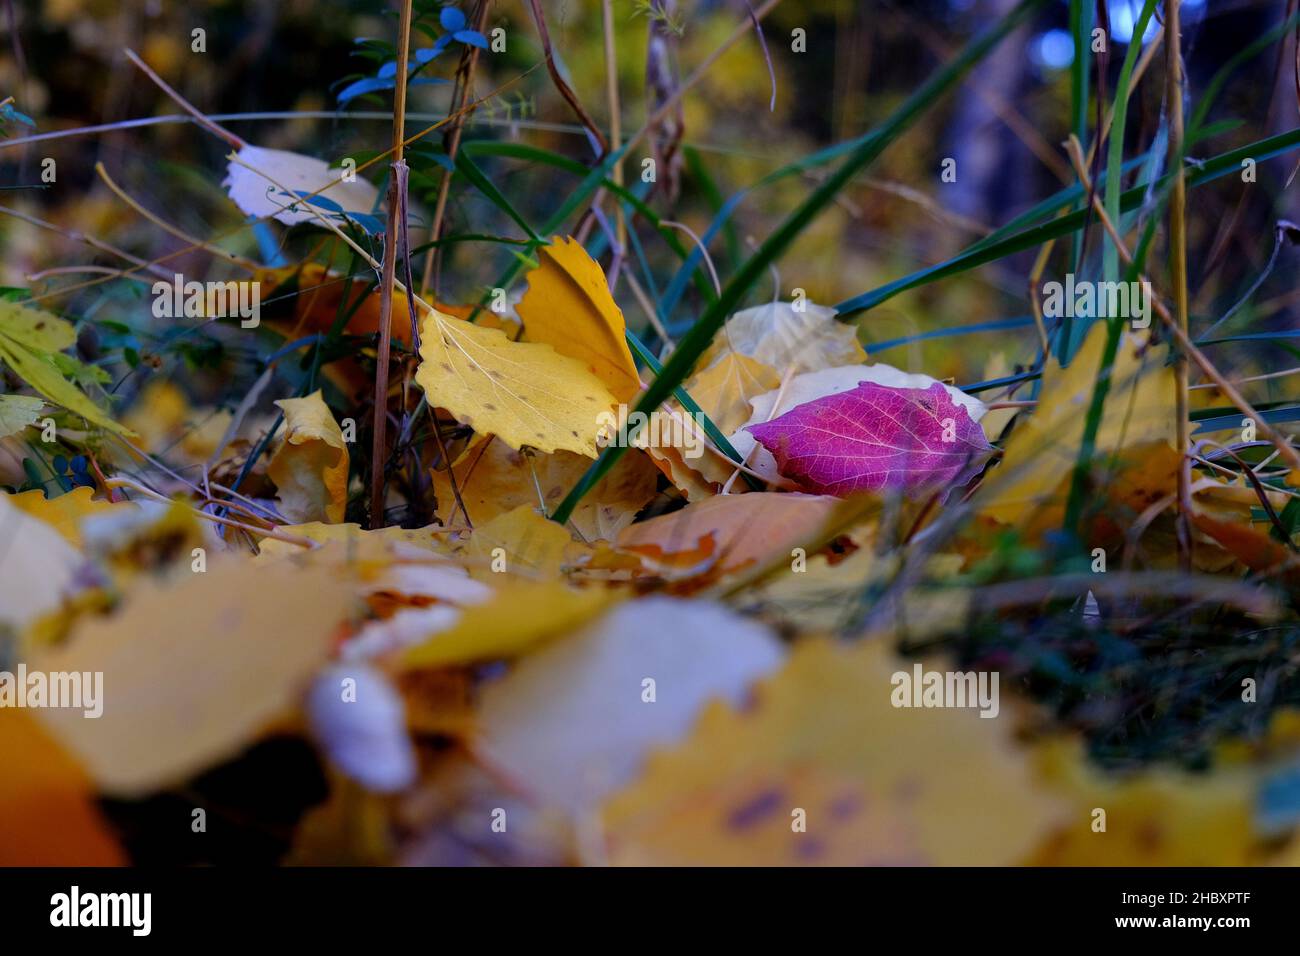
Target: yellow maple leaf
{"points": [[1033, 478], [875, 784], [310, 468], [568, 306]]}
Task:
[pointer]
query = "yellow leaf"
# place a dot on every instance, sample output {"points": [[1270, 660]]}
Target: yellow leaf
{"points": [[17, 412], [877, 784], [1156, 817], [359, 542], [495, 478], [523, 541], [519, 616], [28, 337], [525, 393], [568, 306], [724, 389], [1033, 477], [193, 671], [48, 815], [310, 468], [35, 329], [66, 512]]}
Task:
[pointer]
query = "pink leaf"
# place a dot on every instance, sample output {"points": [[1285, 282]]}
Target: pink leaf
{"points": [[875, 437]]}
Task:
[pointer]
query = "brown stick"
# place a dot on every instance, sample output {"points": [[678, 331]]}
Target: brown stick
{"points": [[570, 97], [379, 456], [1178, 262], [210, 125]]}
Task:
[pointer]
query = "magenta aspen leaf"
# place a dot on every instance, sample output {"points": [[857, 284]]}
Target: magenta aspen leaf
{"points": [[875, 437]]}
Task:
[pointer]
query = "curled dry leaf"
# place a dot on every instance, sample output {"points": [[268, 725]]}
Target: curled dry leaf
{"points": [[568, 306], [310, 468]]}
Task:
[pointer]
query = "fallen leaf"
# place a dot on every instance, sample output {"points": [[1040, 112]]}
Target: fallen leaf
{"points": [[522, 539], [748, 529], [256, 178], [788, 339], [17, 412], [29, 339], [358, 542], [525, 393], [822, 383], [877, 785], [1034, 474], [359, 720], [1155, 817], [65, 513], [568, 306], [192, 671], [572, 722], [726, 388], [310, 468], [495, 478], [876, 438], [501, 627]]}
